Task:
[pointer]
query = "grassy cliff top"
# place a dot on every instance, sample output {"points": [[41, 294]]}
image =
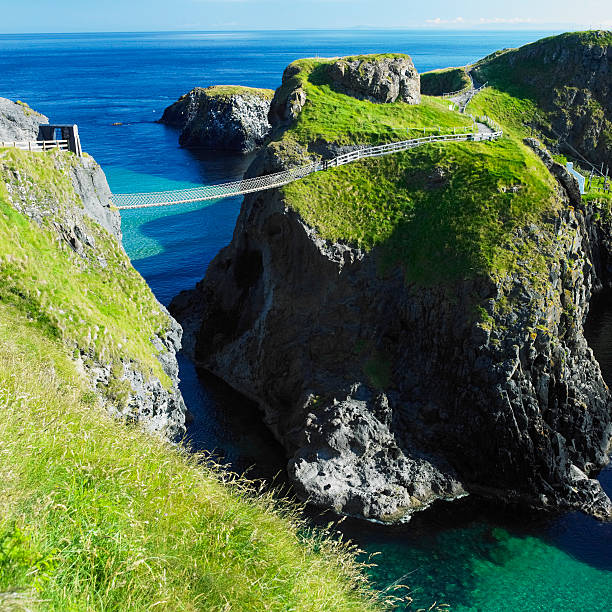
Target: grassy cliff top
{"points": [[442, 212], [446, 80], [335, 117], [238, 90], [97, 515], [96, 302], [587, 37], [370, 57], [536, 70]]}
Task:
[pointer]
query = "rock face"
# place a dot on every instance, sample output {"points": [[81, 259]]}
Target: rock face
{"points": [[91, 186], [378, 79], [223, 118], [388, 396], [125, 389], [570, 76], [19, 121]]}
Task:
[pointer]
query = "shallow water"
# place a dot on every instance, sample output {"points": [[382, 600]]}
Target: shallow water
{"points": [[471, 556]]}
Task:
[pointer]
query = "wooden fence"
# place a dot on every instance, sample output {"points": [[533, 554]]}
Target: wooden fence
{"points": [[36, 145]]}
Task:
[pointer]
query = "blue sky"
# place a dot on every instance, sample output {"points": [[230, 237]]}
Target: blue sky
{"points": [[21, 16]]}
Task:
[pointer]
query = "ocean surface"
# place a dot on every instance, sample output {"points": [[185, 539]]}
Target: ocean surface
{"points": [[468, 555]]}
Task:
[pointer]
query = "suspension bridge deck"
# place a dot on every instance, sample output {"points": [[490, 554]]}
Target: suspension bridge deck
{"points": [[125, 201]]}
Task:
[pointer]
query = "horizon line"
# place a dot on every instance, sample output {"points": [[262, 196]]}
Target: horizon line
{"points": [[424, 28]]}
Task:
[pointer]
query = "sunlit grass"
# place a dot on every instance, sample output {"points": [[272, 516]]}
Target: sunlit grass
{"points": [[96, 515]]}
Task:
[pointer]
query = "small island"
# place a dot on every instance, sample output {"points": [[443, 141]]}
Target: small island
{"points": [[221, 117]]}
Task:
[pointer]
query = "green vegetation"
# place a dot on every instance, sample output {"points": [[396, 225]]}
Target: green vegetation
{"points": [[224, 91], [97, 515], [26, 109], [544, 88], [94, 301], [335, 117], [442, 211], [438, 82], [516, 115]]}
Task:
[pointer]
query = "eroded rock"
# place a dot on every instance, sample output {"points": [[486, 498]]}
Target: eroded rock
{"points": [[221, 118]]}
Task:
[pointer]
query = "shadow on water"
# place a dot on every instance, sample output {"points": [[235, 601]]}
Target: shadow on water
{"points": [[230, 426]]}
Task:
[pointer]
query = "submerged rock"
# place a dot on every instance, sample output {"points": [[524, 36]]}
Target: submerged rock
{"points": [[227, 118]]}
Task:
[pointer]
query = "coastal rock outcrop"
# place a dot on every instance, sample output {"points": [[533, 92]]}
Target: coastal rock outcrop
{"points": [[18, 121], [570, 78], [377, 78], [388, 392], [74, 206], [389, 396], [221, 117]]}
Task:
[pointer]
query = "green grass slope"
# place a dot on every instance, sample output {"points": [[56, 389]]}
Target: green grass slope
{"points": [[338, 118], [443, 212], [226, 91], [97, 515], [565, 84], [438, 82], [97, 304]]}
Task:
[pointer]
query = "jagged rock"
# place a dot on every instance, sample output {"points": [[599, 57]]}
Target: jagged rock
{"points": [[379, 79], [156, 407], [19, 121], [224, 118], [91, 186], [505, 409]]}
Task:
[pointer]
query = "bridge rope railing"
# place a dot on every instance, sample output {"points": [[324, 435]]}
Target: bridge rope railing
{"points": [[124, 201]]}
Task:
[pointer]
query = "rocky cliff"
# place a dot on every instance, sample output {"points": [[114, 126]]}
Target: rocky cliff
{"points": [[18, 121], [569, 77], [377, 78], [69, 272], [227, 118], [412, 326]]}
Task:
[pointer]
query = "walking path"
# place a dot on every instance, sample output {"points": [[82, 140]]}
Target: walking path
{"points": [[124, 201]]}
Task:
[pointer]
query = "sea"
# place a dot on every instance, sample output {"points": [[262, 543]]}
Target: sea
{"points": [[468, 555]]}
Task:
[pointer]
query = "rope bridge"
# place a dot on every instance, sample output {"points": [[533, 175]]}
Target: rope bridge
{"points": [[125, 201]]}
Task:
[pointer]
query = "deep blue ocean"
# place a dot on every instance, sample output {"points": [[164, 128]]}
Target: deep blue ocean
{"points": [[467, 555]]}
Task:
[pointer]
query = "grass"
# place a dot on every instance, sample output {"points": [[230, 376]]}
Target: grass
{"points": [[337, 118], [238, 90], [95, 302], [438, 82], [515, 114], [436, 229], [547, 88], [97, 515], [442, 211]]}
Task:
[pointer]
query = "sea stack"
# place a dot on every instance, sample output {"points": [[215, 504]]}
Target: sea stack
{"points": [[412, 326], [221, 117]]}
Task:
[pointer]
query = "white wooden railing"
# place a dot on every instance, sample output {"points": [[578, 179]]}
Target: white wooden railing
{"points": [[36, 145]]}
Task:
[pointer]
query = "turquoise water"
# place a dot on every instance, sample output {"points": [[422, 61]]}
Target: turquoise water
{"points": [[471, 556]]}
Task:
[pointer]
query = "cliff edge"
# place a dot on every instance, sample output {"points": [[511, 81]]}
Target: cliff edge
{"points": [[411, 326], [222, 117], [68, 271]]}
